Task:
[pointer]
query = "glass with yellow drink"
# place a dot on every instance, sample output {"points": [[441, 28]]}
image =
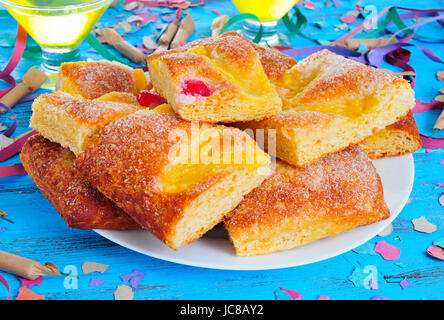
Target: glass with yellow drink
{"points": [[268, 12], [58, 26]]}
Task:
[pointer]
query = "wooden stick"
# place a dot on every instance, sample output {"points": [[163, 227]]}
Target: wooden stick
{"points": [[218, 24], [167, 36], [113, 38], [185, 30], [26, 268], [31, 81]]}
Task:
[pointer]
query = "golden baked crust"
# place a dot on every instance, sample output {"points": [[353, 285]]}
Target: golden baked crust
{"points": [[51, 167], [70, 121], [298, 205], [92, 79], [396, 139], [123, 97], [351, 100], [231, 71], [132, 161]]}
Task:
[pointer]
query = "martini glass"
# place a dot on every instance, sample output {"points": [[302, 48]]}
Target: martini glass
{"points": [[58, 26], [268, 12]]}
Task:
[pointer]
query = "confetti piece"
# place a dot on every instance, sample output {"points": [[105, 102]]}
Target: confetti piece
{"points": [[28, 283], [404, 283], [149, 43], [89, 267], [440, 75], [321, 24], [439, 242], [309, 5], [348, 19], [321, 297], [428, 150], [123, 292], [401, 264], [387, 231], [387, 251], [26, 294], [436, 252], [422, 225], [6, 284], [358, 277], [133, 278], [281, 295], [379, 298], [366, 248], [216, 12], [96, 282], [3, 229], [292, 293], [439, 98]]}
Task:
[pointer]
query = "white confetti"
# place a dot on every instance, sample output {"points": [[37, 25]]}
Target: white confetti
{"points": [[387, 231], [89, 267], [123, 292], [422, 225]]}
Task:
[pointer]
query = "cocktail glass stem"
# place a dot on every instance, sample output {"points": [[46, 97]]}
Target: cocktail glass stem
{"points": [[53, 58], [270, 36]]}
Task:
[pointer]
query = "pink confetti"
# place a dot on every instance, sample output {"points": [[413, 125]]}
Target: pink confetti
{"points": [[5, 283], [428, 150], [27, 283], [441, 161], [348, 19], [404, 283], [321, 297], [293, 294], [436, 252], [387, 251], [216, 12]]}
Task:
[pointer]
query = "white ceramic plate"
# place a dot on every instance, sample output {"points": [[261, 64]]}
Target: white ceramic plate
{"points": [[397, 174]]}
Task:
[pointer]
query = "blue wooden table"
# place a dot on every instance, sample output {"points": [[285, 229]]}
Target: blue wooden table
{"points": [[39, 233]]}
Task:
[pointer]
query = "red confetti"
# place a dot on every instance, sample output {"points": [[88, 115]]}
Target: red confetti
{"points": [[27, 283]]}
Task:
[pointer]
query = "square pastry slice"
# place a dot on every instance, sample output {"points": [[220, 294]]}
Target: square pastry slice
{"points": [[80, 205], [92, 79], [70, 122], [177, 179], [394, 140], [330, 103], [215, 80], [298, 205]]}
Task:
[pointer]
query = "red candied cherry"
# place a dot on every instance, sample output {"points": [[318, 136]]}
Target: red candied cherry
{"points": [[195, 87], [149, 99]]}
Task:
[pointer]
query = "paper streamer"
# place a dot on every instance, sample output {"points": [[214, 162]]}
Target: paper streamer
{"points": [[13, 170], [17, 53], [6, 284], [10, 131], [16, 146]]}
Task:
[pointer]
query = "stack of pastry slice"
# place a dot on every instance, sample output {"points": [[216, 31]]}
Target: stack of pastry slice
{"points": [[106, 161]]}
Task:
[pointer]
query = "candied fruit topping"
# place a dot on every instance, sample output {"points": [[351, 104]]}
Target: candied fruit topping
{"points": [[149, 99], [195, 87]]}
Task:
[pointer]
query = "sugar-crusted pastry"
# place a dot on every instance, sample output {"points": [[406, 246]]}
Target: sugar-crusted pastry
{"points": [[215, 80], [396, 139], [298, 205], [51, 167], [177, 179], [330, 103], [69, 121], [92, 79]]}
